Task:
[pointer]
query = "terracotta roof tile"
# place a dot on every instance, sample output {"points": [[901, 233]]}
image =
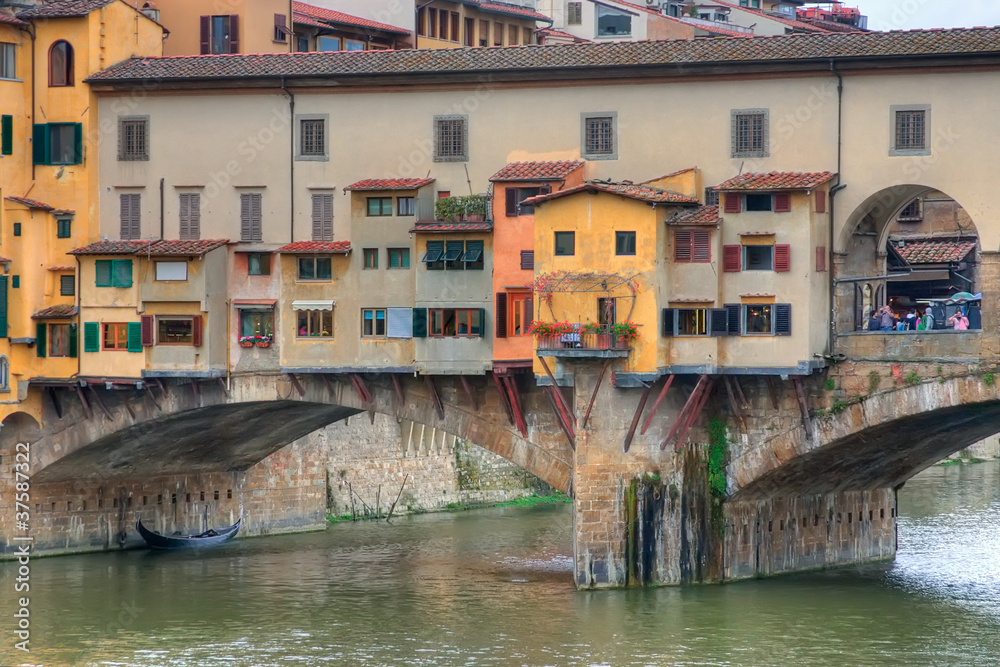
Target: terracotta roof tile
{"points": [[636, 191], [552, 32], [61, 311], [537, 171], [62, 268], [111, 248], [5, 259], [438, 226], [791, 23], [64, 9], [673, 173], [31, 203], [168, 247], [703, 215], [679, 53], [305, 19], [508, 10], [11, 20], [938, 251], [317, 247], [373, 184], [777, 180], [332, 16]]}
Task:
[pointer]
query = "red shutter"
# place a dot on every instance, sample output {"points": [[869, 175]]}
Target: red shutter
{"points": [[782, 257], [731, 258], [820, 258], [782, 202], [197, 324], [501, 315], [234, 33], [734, 202], [511, 208], [821, 201], [146, 322], [701, 245], [529, 311], [682, 245], [206, 34]]}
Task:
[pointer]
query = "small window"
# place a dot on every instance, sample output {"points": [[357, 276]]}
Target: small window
{"points": [[758, 258], [758, 202], [574, 13], [171, 270], [281, 31], [251, 228], [189, 216], [565, 244], [750, 133], [258, 264], [133, 139], [378, 206], [59, 340], [220, 34], [433, 257], [692, 245], [64, 228], [64, 144], [373, 323], [17, 229], [314, 324], [322, 217], [174, 331], [8, 61], [312, 137], [115, 336], [327, 43], [473, 257], [113, 272], [451, 136], [519, 315], [399, 258], [405, 206], [67, 285], [911, 212], [453, 255], [757, 319], [4, 373], [354, 45], [256, 322], [61, 64], [911, 130], [624, 243], [692, 322], [370, 258], [315, 268], [455, 322], [613, 22], [129, 216], [599, 140], [711, 197], [515, 198]]}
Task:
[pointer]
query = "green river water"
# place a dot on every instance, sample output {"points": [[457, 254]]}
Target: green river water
{"points": [[494, 587]]}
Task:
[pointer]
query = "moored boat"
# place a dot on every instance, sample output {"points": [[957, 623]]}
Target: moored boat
{"points": [[209, 538]]}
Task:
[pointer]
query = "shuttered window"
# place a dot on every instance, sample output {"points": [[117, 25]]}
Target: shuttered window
{"points": [[57, 143], [67, 285], [574, 15], [782, 202], [782, 257], [732, 258], [91, 337], [41, 340], [3, 306], [692, 245], [134, 337], [821, 201], [190, 216], [147, 331], [732, 318], [420, 323], [113, 272], [6, 135], [820, 259], [782, 319], [734, 202], [220, 34], [501, 315], [250, 227], [399, 322], [280, 29], [527, 260], [322, 217], [433, 257], [130, 216]]}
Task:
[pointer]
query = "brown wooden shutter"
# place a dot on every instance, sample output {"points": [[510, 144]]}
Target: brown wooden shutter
{"points": [[682, 245], [146, 323], [501, 314], [734, 202], [317, 216], [528, 260], [322, 212], [234, 33], [529, 311], [782, 319], [184, 214], [701, 250], [197, 325], [669, 315], [782, 257], [820, 258], [731, 258], [279, 27], [206, 34], [511, 202], [245, 225], [782, 202], [821, 201], [129, 214]]}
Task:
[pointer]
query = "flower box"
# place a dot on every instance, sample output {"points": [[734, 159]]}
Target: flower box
{"points": [[263, 343], [246, 343]]}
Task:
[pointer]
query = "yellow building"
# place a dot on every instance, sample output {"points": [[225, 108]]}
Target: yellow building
{"points": [[448, 24], [235, 26], [48, 174]]}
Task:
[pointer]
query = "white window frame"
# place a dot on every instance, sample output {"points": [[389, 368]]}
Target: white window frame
{"points": [[171, 271]]}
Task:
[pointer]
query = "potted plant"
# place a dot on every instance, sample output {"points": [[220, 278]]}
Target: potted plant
{"points": [[474, 208], [626, 331], [600, 333], [262, 341], [247, 341]]}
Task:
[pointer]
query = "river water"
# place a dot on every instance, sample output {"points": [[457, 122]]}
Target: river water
{"points": [[494, 587]]}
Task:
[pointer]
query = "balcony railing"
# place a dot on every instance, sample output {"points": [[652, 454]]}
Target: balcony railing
{"points": [[581, 343]]}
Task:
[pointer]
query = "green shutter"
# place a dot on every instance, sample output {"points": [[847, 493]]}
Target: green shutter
{"points": [[40, 340], [3, 306], [6, 135], [102, 268], [91, 336], [77, 143], [134, 337], [420, 323], [482, 322], [121, 272], [73, 342], [40, 143]]}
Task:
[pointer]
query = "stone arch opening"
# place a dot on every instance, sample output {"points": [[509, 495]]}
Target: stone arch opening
{"points": [[20, 427], [909, 248]]}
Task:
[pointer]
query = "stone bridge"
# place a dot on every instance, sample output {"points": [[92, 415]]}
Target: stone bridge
{"points": [[810, 481]]}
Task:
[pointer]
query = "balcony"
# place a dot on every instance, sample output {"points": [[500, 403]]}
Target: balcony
{"points": [[582, 342]]}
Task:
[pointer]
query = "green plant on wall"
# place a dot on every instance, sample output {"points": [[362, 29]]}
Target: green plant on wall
{"points": [[874, 380], [718, 453], [458, 207]]}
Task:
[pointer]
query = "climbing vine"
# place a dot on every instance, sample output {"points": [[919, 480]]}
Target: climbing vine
{"points": [[718, 452]]}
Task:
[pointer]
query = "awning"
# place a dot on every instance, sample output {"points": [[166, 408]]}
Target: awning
{"points": [[432, 256], [313, 305], [453, 253], [472, 255], [254, 302]]}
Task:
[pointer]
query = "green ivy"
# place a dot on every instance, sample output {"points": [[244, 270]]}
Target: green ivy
{"points": [[718, 452]]}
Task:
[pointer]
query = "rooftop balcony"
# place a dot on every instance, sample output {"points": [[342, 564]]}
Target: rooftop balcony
{"points": [[583, 341]]}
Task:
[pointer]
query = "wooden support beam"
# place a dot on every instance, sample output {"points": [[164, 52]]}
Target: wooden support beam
{"points": [[83, 400], [656, 403], [196, 390], [504, 399], [597, 388], [51, 392], [744, 403], [435, 396], [128, 407], [296, 386], [398, 387], [771, 389], [225, 389], [469, 392], [328, 385], [558, 394], [800, 394], [152, 399], [161, 387], [561, 416], [734, 402], [635, 418], [515, 402], [688, 405], [361, 387], [100, 402], [695, 413]]}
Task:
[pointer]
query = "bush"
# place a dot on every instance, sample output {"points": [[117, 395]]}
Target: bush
{"points": [[912, 378], [874, 380], [829, 385]]}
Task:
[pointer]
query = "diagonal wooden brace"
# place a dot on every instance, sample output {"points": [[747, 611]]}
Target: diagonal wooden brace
{"points": [[635, 418], [435, 396], [515, 402], [597, 388], [688, 406], [469, 392], [656, 404]]}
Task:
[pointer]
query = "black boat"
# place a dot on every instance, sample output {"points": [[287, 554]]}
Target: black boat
{"points": [[210, 538]]}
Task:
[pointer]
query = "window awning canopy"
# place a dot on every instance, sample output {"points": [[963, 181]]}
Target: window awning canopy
{"points": [[313, 305]]}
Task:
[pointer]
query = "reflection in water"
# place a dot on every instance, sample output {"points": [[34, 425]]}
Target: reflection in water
{"points": [[493, 587]]}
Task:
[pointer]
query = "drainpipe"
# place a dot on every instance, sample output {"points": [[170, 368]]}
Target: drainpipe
{"points": [[291, 160], [31, 32], [833, 192], [79, 315], [161, 209]]}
